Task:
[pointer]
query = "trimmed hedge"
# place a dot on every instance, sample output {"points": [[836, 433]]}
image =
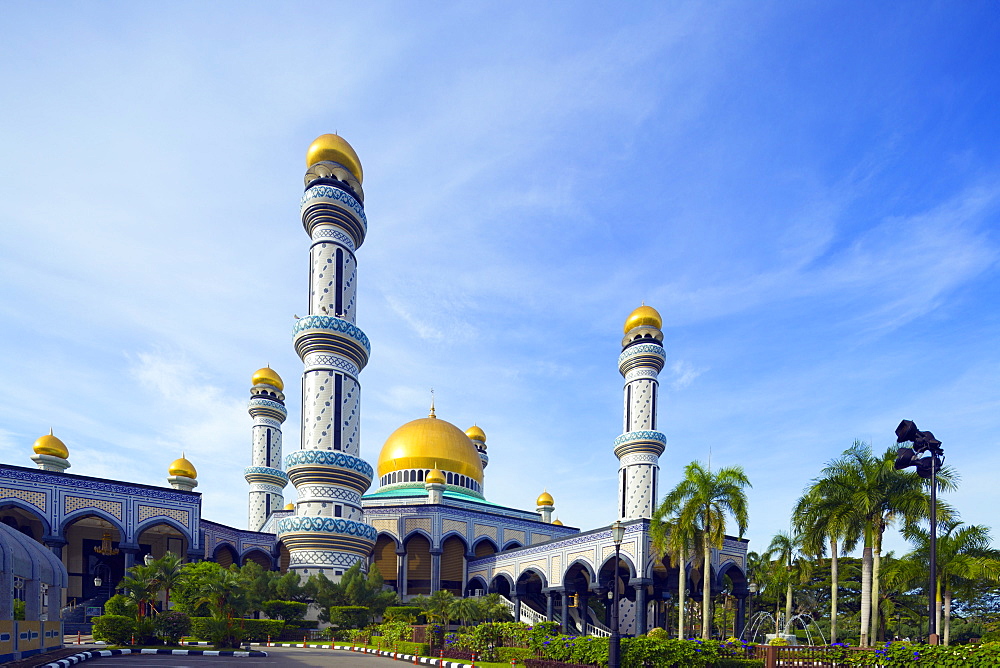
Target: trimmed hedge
{"points": [[403, 613], [349, 616], [519, 654], [403, 647], [254, 630], [114, 629]]}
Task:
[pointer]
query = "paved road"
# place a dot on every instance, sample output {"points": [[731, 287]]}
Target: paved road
{"points": [[277, 656]]}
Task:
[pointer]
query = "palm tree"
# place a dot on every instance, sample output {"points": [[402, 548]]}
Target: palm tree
{"points": [[675, 540], [704, 499], [141, 583], [169, 570], [964, 552], [876, 496], [790, 566], [818, 518]]}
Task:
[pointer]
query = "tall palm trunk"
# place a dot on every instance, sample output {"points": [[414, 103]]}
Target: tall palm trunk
{"points": [[834, 586], [681, 593], [876, 583], [947, 615], [788, 606], [866, 589], [706, 593]]}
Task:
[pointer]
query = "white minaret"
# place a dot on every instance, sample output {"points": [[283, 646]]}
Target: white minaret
{"points": [[639, 447], [327, 533], [267, 408]]}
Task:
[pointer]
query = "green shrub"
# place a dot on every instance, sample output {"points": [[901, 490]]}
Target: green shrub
{"points": [[228, 633], [19, 607], [114, 629], [395, 631], [258, 630], [171, 626], [290, 611], [418, 648], [402, 613], [658, 634], [306, 624], [121, 606], [349, 616], [508, 654]]}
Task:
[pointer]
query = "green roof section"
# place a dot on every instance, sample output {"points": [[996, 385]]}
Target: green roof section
{"points": [[418, 493]]}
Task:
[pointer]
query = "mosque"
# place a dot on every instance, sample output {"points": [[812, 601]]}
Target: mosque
{"points": [[426, 526]]}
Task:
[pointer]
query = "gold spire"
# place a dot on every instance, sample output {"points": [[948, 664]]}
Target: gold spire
{"points": [[50, 445], [431, 414], [335, 149], [182, 468]]}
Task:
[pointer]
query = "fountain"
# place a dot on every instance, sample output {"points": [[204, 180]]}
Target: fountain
{"points": [[765, 621]]}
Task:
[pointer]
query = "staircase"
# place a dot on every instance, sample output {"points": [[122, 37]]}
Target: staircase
{"points": [[74, 617], [531, 617]]}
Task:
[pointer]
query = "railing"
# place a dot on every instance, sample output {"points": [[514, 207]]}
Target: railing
{"points": [[598, 631], [530, 616]]}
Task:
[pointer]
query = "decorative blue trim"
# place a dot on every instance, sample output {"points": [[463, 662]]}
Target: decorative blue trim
{"points": [[267, 403], [329, 458], [643, 349], [332, 323], [266, 470], [630, 436], [327, 525], [329, 192]]}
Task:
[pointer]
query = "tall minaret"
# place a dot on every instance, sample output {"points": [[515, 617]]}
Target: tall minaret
{"points": [[639, 448], [327, 535], [267, 408]]}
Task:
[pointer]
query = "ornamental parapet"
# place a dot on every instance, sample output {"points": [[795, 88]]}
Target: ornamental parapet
{"points": [[265, 475], [267, 408], [329, 334], [330, 205], [644, 354], [301, 534], [645, 441], [326, 467]]}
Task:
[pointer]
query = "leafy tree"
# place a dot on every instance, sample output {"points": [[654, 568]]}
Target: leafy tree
{"points": [[141, 583], [290, 611], [790, 567], [704, 499], [964, 552], [819, 518], [876, 496], [169, 570], [187, 593], [355, 588], [675, 539]]}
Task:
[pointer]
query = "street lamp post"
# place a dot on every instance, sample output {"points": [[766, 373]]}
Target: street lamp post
{"points": [[927, 467], [614, 647]]}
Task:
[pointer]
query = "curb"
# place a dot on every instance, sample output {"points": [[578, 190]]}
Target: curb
{"points": [[95, 654]]}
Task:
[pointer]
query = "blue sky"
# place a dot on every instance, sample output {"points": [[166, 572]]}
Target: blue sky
{"points": [[809, 193]]}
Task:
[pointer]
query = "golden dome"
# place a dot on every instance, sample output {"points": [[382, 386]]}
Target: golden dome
{"points": [[336, 149], [435, 477], [182, 467], [289, 506], [268, 376], [644, 315], [475, 433], [557, 522], [52, 446], [545, 499], [430, 443]]}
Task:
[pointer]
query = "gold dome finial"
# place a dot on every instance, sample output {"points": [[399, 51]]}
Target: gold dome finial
{"points": [[545, 499], [435, 477], [182, 468], [50, 445], [432, 414], [289, 506], [268, 376], [335, 149], [476, 433], [644, 315], [557, 522]]}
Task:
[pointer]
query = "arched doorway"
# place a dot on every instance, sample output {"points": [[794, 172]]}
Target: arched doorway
{"points": [[225, 555], [284, 558], [453, 565], [23, 520], [484, 548], [258, 557], [418, 565], [529, 588], [384, 560], [93, 559]]}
